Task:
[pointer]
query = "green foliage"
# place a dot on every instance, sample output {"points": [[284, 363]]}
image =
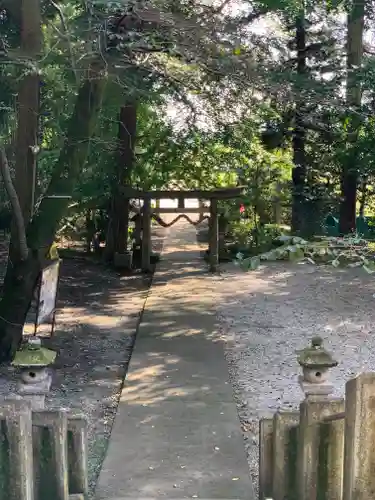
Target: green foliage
{"points": [[241, 232], [242, 88], [251, 239]]}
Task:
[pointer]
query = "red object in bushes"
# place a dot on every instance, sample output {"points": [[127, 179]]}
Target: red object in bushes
{"points": [[242, 209]]}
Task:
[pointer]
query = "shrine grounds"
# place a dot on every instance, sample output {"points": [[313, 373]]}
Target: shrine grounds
{"points": [[265, 315], [96, 322], [274, 311]]}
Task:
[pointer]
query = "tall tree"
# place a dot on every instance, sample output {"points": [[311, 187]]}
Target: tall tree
{"points": [[26, 147], [24, 270], [117, 241], [28, 106], [143, 39], [299, 134], [23, 273], [349, 175]]}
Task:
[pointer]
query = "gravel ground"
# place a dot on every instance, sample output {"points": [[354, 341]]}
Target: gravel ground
{"points": [[97, 318], [272, 312]]}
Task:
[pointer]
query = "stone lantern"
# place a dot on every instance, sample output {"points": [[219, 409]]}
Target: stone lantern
{"points": [[36, 379], [316, 363]]}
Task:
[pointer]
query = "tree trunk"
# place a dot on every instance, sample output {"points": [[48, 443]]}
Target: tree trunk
{"points": [[363, 200], [120, 211], [18, 219], [110, 233], [15, 303], [277, 204], [349, 175], [71, 160], [299, 135], [22, 276], [90, 229], [28, 116], [349, 201]]}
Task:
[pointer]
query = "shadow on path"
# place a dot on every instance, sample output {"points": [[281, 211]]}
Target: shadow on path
{"points": [[177, 433]]}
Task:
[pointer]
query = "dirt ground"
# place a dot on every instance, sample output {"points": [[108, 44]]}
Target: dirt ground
{"points": [[276, 310], [96, 323]]}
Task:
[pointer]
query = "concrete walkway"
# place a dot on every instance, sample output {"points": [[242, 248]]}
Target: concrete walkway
{"points": [[177, 433]]}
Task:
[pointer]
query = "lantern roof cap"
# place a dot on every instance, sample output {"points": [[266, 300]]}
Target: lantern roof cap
{"points": [[316, 356], [33, 354]]}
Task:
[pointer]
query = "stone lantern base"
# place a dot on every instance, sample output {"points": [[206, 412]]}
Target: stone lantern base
{"points": [[322, 389]]}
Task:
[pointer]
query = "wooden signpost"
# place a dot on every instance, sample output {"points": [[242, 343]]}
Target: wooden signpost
{"points": [[47, 296]]}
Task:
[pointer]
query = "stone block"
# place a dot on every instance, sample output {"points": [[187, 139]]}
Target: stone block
{"points": [[265, 457], [359, 455], [34, 389], [78, 455], [312, 413], [123, 260], [331, 458], [285, 429], [311, 389], [16, 451], [51, 454]]}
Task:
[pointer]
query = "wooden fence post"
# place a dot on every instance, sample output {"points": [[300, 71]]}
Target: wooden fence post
{"points": [[265, 457], [214, 236], [146, 236], [312, 412], [78, 455], [16, 452], [285, 431], [51, 455], [359, 456]]}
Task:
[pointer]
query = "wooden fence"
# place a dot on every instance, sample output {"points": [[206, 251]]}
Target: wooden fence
{"points": [[325, 451], [43, 454]]}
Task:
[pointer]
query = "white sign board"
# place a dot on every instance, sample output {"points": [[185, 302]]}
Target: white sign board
{"points": [[48, 292]]}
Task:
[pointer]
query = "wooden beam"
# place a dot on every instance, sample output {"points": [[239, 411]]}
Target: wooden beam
{"points": [[220, 193], [181, 210]]}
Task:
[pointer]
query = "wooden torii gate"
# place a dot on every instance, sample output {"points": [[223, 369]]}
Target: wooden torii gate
{"points": [[148, 213]]}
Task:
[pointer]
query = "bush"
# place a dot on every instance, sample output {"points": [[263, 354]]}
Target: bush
{"points": [[252, 240], [240, 232]]}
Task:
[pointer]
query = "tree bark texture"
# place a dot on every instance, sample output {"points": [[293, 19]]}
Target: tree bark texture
{"points": [[28, 116], [19, 221], [22, 276], [120, 206], [299, 134], [349, 175], [363, 199]]}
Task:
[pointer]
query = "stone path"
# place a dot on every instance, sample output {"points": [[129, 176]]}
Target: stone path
{"points": [[177, 433]]}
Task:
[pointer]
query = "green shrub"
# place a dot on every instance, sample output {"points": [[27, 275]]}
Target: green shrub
{"points": [[265, 237], [248, 238], [240, 232]]}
